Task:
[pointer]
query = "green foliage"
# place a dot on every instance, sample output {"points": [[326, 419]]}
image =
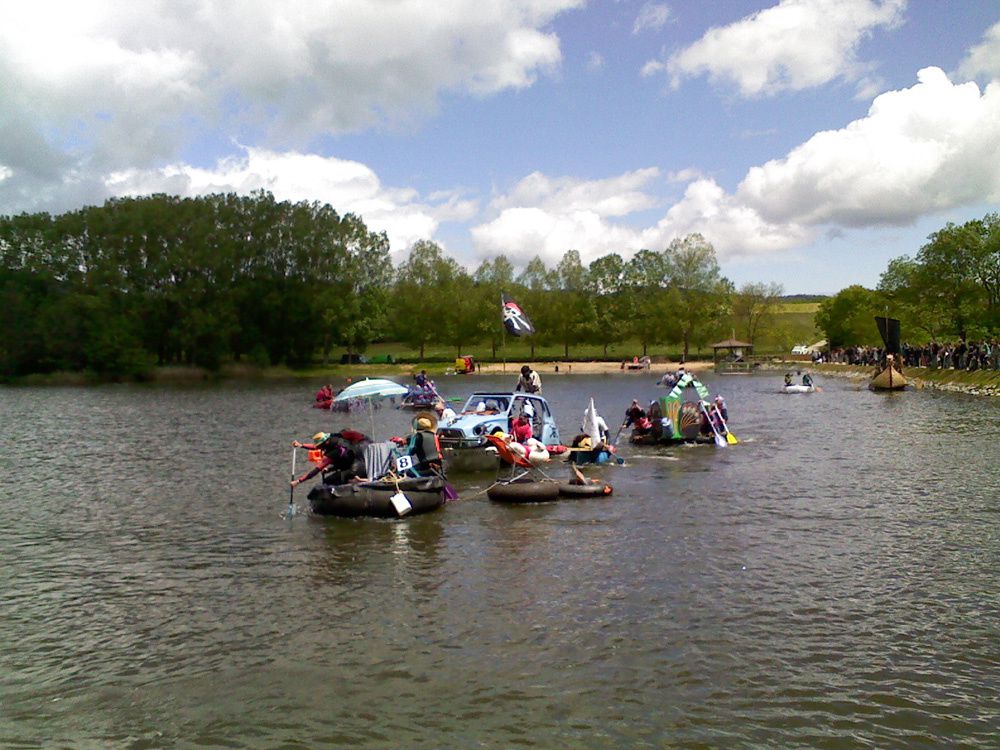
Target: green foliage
{"points": [[188, 281], [162, 280], [847, 318], [755, 307]]}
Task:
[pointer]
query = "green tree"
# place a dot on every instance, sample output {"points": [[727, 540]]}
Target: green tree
{"points": [[648, 299], [605, 283], [754, 306], [847, 317], [703, 292], [571, 308], [422, 294], [535, 280], [492, 278]]}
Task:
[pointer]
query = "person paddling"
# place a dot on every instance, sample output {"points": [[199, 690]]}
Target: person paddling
{"points": [[338, 462]]}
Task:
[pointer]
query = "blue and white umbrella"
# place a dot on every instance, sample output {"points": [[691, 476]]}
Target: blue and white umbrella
{"points": [[371, 389]]}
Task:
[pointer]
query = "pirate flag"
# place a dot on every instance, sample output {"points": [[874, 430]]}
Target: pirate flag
{"points": [[514, 319]]}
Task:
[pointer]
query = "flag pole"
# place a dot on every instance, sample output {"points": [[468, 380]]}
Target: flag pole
{"points": [[503, 336]]}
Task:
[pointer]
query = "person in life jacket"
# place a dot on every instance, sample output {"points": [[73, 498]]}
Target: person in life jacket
{"points": [[338, 462], [423, 446], [634, 413], [720, 404], [788, 378], [807, 380], [521, 428]]}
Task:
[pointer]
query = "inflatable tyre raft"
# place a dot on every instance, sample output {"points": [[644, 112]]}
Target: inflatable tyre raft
{"points": [[374, 499], [598, 489], [523, 492], [799, 388]]}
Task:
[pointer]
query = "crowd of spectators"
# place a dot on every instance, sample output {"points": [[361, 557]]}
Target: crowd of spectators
{"points": [[965, 355]]}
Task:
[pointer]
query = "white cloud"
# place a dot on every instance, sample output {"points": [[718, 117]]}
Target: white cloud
{"points": [[983, 59], [523, 232], [652, 17], [548, 216], [615, 196], [797, 44], [925, 149], [348, 186], [919, 150], [734, 228], [104, 85]]}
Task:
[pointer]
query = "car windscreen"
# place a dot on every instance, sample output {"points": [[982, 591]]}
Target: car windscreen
{"points": [[483, 403]]}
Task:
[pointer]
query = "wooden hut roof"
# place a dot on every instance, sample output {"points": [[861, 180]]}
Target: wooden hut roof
{"points": [[732, 344]]}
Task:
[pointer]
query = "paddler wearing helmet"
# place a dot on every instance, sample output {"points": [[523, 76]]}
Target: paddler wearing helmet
{"points": [[423, 445]]}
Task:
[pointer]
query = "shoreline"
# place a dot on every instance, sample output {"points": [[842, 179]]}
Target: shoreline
{"points": [[976, 383], [573, 367]]}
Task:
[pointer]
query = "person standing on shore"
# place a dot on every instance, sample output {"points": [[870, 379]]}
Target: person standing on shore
{"points": [[529, 382]]}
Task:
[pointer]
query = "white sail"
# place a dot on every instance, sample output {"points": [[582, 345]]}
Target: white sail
{"points": [[590, 424]]}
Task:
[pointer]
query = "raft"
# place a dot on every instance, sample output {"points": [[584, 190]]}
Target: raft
{"points": [[470, 460], [594, 489], [888, 379], [521, 491], [799, 388], [373, 499], [582, 457], [649, 438]]}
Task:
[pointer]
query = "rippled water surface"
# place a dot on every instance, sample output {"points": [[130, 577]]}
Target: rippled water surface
{"points": [[831, 581]]}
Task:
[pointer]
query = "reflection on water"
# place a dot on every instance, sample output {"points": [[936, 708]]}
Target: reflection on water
{"points": [[828, 582]]}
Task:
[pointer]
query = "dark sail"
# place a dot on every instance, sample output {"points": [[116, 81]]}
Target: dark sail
{"points": [[514, 319], [888, 329]]}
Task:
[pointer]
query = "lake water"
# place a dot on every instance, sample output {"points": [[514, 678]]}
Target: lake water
{"points": [[831, 581]]}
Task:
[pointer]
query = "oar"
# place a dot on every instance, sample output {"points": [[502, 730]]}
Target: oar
{"points": [[730, 437], [291, 489], [719, 440], [618, 434]]}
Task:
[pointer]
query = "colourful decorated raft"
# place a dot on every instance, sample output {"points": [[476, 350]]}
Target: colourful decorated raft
{"points": [[672, 420]]}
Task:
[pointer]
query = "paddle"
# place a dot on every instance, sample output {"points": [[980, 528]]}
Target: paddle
{"points": [[730, 437], [619, 433], [291, 489], [719, 440]]}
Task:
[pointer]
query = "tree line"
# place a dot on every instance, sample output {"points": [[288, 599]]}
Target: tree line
{"points": [[138, 282], [948, 291]]}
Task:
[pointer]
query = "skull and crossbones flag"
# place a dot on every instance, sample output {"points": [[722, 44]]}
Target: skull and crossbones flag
{"points": [[514, 319]]}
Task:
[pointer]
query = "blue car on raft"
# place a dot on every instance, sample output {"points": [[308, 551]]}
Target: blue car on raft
{"points": [[463, 439]]}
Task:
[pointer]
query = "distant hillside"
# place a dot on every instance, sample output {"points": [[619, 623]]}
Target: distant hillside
{"points": [[805, 297]]}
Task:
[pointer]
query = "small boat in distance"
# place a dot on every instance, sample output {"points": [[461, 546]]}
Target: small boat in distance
{"points": [[799, 388], [889, 376]]}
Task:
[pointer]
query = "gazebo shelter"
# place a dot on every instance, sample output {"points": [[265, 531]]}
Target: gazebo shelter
{"points": [[731, 355]]}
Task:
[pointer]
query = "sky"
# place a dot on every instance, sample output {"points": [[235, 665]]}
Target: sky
{"points": [[810, 141]]}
